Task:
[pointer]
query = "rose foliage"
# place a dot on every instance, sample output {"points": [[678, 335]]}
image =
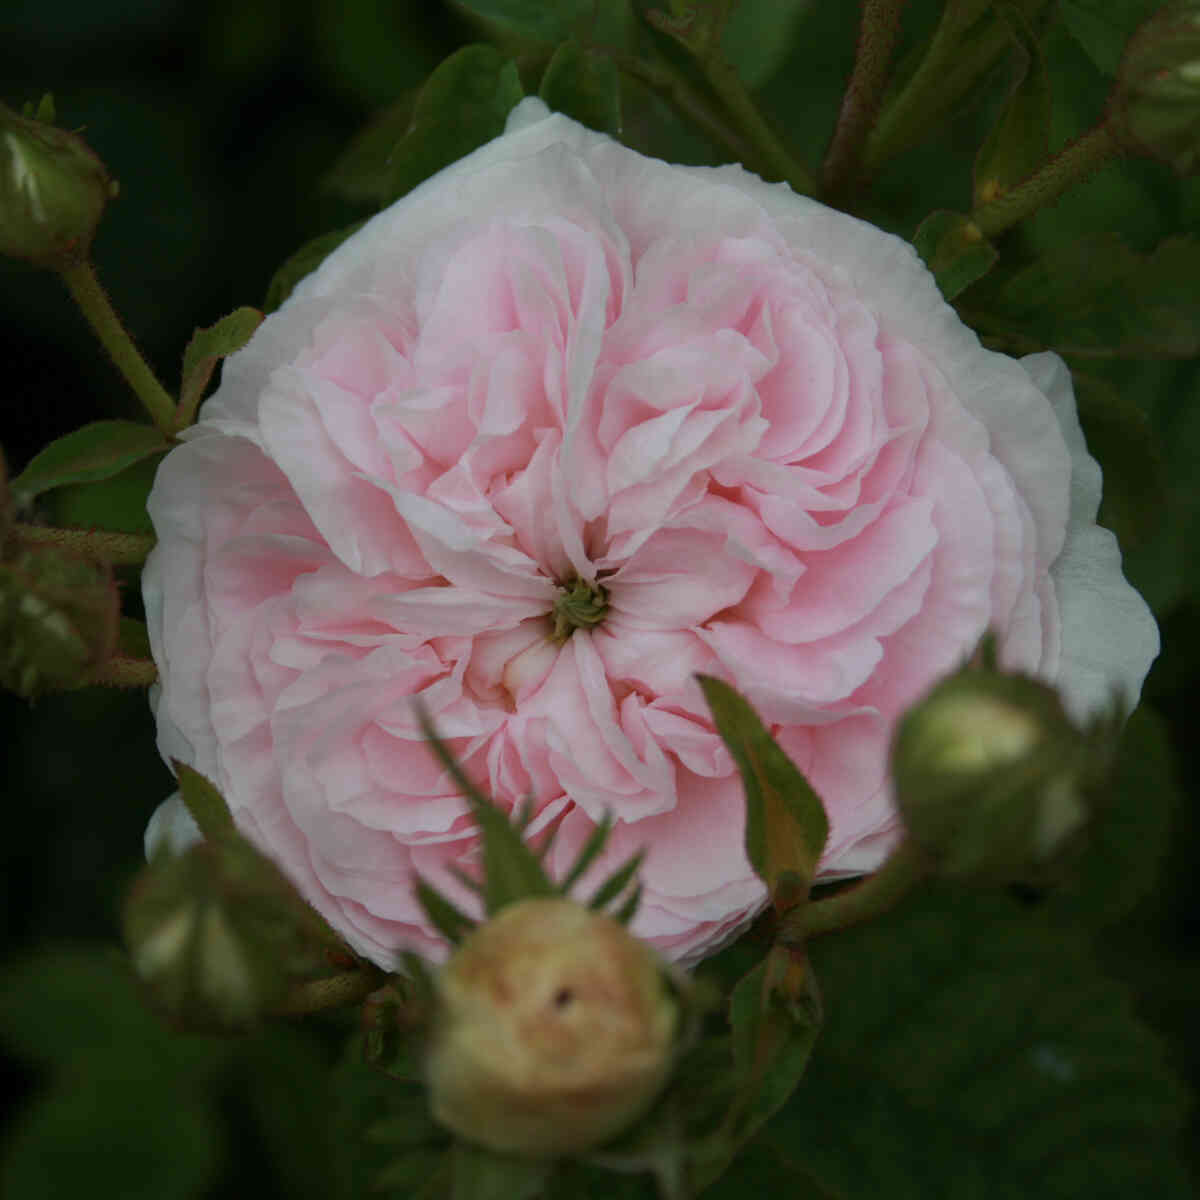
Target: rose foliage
{"points": [[557, 431]]}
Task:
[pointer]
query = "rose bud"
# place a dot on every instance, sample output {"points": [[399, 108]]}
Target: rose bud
{"points": [[989, 775], [53, 192], [59, 615], [214, 934], [555, 1029], [1156, 106]]}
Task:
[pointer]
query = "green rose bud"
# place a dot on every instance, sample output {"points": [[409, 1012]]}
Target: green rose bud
{"points": [[53, 192], [215, 935], [1156, 104], [59, 616], [990, 776], [554, 1030]]}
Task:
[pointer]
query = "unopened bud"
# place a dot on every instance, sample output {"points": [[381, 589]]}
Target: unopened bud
{"points": [[1156, 104], [213, 935], [53, 192], [59, 616], [989, 776], [555, 1029]]}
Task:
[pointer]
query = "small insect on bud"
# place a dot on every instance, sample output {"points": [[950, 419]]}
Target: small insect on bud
{"points": [[555, 1029], [989, 775], [53, 192]]}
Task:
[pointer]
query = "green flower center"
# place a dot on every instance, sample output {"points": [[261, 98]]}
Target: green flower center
{"points": [[580, 605]]}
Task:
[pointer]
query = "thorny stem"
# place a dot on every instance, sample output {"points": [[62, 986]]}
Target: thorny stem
{"points": [[335, 991], [95, 305], [902, 871], [120, 549], [860, 105], [122, 672], [1072, 164]]}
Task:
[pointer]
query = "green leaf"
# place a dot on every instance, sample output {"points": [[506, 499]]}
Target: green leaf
{"points": [[463, 104], [133, 639], [786, 825], [775, 1014], [532, 20], [954, 250], [482, 1175], [759, 36], [617, 882], [284, 1077], [303, 262], [1097, 297], [1121, 437], [588, 854], [448, 920], [586, 85], [204, 802], [511, 869], [99, 450], [362, 171], [1102, 27], [1129, 836], [971, 1048], [206, 346], [151, 1140], [118, 503], [1019, 143]]}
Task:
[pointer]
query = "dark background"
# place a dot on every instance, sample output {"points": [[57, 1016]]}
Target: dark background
{"points": [[219, 120]]}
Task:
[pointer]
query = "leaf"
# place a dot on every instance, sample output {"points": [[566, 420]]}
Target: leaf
{"points": [[511, 869], [586, 85], [448, 920], [1121, 437], [151, 1140], [1096, 296], [1129, 836], [117, 503], [133, 639], [303, 262], [362, 171], [617, 882], [954, 250], [588, 853], [1103, 27], [206, 346], [482, 1175], [1019, 143], [759, 36], [775, 1014], [204, 802], [786, 825], [463, 104], [98, 451], [971, 1048], [533, 20]]}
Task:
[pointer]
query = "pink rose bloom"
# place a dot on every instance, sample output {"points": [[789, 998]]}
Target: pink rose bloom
{"points": [[742, 430]]}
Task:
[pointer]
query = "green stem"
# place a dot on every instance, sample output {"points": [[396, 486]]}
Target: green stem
{"points": [[1068, 167], [122, 672], [877, 36], [771, 153], [95, 305], [688, 102], [903, 870], [336, 991], [120, 549], [970, 38]]}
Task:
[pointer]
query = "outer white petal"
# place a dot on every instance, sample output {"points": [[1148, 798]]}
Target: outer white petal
{"points": [[1109, 637], [171, 825]]}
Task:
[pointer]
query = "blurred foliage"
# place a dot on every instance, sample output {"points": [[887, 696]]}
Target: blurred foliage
{"points": [[249, 132]]}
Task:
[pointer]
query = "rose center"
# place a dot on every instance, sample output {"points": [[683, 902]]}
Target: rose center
{"points": [[580, 605]]}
